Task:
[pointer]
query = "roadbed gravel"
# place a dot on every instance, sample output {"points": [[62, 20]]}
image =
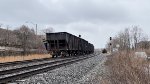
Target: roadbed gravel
{"points": [[82, 72]]}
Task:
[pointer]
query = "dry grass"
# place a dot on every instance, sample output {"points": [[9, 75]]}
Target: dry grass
{"points": [[21, 58], [147, 52], [125, 68]]}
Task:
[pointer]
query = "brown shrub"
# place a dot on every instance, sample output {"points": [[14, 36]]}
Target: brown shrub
{"points": [[125, 68]]}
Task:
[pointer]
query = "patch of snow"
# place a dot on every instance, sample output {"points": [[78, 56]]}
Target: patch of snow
{"points": [[141, 55]]}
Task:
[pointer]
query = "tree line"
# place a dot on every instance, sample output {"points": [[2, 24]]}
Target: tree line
{"points": [[130, 38], [24, 38]]}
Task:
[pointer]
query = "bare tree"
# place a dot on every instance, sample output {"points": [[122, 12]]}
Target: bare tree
{"points": [[129, 39], [26, 38], [122, 39], [48, 30], [136, 34], [7, 36], [144, 43]]}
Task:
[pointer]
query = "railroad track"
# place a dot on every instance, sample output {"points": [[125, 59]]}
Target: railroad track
{"points": [[19, 64], [23, 72], [24, 62], [13, 70], [7, 64]]}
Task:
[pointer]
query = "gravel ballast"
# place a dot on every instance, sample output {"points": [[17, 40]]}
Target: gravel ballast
{"points": [[82, 72]]}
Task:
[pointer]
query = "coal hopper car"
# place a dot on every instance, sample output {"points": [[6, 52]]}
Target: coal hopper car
{"points": [[65, 44]]}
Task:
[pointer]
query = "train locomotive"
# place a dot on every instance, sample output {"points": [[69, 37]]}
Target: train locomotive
{"points": [[65, 44]]}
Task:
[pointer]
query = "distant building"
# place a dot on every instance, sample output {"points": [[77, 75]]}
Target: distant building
{"points": [[143, 45]]}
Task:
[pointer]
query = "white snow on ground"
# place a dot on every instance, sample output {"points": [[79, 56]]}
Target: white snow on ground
{"points": [[81, 72], [141, 55]]}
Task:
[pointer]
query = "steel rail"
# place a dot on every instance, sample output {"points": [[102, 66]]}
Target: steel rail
{"points": [[52, 65]]}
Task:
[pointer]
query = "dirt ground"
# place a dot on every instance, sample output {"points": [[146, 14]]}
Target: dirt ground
{"points": [[21, 58]]}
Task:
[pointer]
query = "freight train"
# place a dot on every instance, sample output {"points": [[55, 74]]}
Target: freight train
{"points": [[65, 44]]}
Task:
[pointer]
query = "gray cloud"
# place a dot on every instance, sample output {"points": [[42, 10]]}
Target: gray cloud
{"points": [[95, 20]]}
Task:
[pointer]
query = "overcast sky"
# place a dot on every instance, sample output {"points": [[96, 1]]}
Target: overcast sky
{"points": [[95, 20]]}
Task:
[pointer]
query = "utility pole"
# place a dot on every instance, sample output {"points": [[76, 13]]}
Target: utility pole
{"points": [[36, 28], [7, 35], [36, 34]]}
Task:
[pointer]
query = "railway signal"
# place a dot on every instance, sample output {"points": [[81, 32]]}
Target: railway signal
{"points": [[110, 38], [110, 44]]}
